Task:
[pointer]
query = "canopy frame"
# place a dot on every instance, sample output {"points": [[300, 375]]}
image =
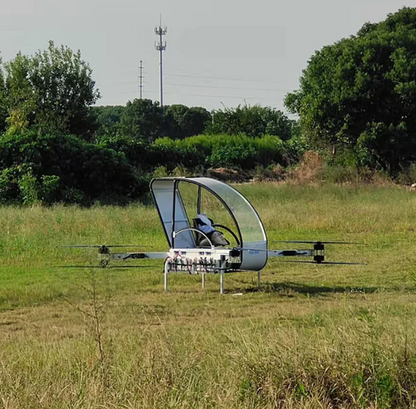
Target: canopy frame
{"points": [[173, 214]]}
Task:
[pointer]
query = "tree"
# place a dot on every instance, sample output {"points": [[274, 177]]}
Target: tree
{"points": [[3, 109], [359, 94], [253, 121], [181, 121], [52, 90], [107, 119], [174, 121], [195, 121], [142, 119]]}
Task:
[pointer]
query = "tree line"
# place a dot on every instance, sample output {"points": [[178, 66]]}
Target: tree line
{"points": [[57, 146], [359, 95], [355, 106]]}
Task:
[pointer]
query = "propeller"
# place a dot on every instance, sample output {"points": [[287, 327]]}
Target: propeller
{"points": [[323, 262], [104, 245], [107, 267], [315, 242]]}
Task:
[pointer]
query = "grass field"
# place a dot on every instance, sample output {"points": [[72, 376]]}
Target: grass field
{"points": [[313, 337]]}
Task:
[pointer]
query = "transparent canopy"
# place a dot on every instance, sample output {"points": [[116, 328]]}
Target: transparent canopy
{"points": [[248, 222], [170, 202]]}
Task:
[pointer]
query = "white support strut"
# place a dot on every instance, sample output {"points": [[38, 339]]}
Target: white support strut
{"points": [[165, 275]]}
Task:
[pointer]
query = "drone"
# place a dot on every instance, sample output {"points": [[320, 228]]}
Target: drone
{"points": [[193, 250]]}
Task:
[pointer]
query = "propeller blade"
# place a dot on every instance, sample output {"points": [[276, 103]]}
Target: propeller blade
{"points": [[107, 267], [324, 262], [104, 245], [316, 242], [81, 246]]}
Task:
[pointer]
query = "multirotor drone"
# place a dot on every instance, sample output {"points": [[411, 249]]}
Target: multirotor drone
{"points": [[198, 245]]}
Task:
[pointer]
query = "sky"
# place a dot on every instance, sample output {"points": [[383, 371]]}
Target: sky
{"points": [[220, 53]]}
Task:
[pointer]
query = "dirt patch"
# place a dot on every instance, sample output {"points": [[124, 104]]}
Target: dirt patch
{"points": [[228, 175]]}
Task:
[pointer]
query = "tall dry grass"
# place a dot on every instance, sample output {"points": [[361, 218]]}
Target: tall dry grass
{"points": [[328, 336]]}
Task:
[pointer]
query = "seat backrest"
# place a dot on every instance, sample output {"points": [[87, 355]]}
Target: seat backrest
{"points": [[198, 236], [196, 223]]}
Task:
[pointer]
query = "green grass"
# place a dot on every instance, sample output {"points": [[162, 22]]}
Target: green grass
{"points": [[314, 336]]}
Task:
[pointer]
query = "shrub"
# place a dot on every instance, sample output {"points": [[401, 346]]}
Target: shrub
{"points": [[9, 185], [160, 172], [29, 188], [295, 148], [221, 150], [408, 175], [231, 156], [45, 167]]}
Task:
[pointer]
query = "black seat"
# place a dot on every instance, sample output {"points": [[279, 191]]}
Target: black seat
{"points": [[198, 236], [216, 237]]}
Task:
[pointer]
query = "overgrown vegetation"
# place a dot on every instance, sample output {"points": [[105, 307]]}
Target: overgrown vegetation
{"points": [[314, 336]]}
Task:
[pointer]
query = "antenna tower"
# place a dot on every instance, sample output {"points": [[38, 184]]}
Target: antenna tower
{"points": [[161, 46], [141, 79]]}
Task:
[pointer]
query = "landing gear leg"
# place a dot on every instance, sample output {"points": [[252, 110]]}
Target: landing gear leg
{"points": [[165, 275], [222, 274]]}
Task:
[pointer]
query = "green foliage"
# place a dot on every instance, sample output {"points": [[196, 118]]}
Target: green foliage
{"points": [[205, 151], [107, 120], [142, 119], [50, 188], [253, 121], [52, 89], [19, 185], [295, 148], [171, 153], [135, 150], [160, 172], [174, 123], [16, 123], [9, 186], [360, 93], [231, 156], [50, 168], [223, 150], [29, 188], [385, 146], [195, 121], [146, 120], [181, 121], [3, 109]]}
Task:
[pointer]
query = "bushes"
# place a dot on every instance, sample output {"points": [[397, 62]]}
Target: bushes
{"points": [[46, 168], [36, 168], [231, 156], [254, 121], [223, 150], [206, 151]]}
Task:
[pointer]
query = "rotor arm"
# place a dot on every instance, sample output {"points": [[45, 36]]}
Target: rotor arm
{"points": [[290, 253], [136, 256], [318, 252]]}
